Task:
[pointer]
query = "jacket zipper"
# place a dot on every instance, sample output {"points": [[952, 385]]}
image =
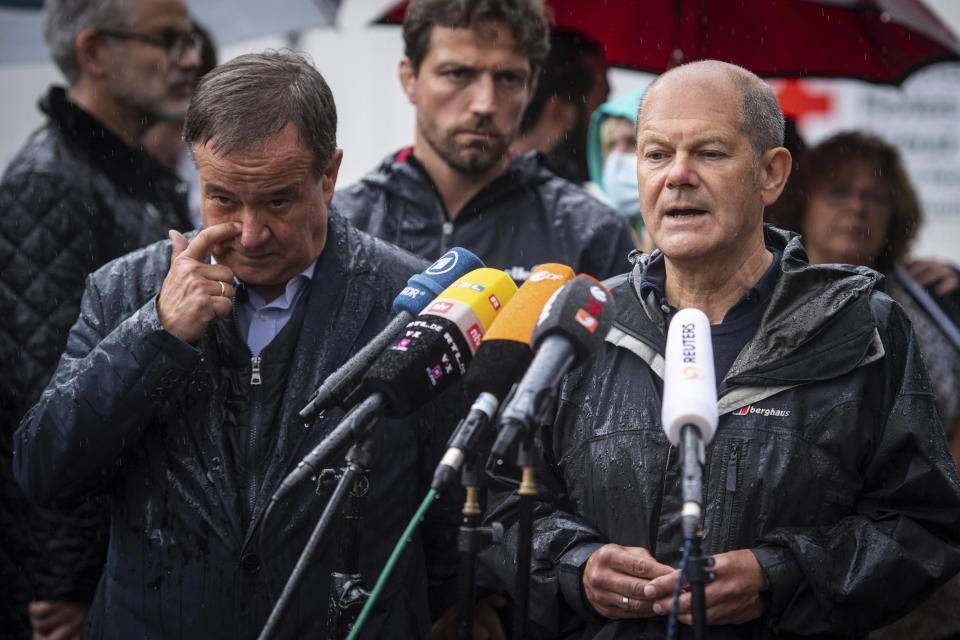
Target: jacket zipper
{"points": [[730, 494], [255, 411], [255, 370]]}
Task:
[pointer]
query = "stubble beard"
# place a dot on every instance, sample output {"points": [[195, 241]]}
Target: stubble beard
{"points": [[470, 159]]}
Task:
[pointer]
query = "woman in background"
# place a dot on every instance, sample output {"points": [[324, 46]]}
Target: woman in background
{"points": [[852, 201]]}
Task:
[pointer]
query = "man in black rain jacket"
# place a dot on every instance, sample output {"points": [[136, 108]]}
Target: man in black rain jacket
{"points": [[831, 504], [468, 69], [179, 391], [79, 193]]}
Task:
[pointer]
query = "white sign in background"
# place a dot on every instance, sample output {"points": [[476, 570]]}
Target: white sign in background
{"points": [[922, 118]]}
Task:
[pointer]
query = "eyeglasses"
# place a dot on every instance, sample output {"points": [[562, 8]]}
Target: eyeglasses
{"points": [[873, 198], [174, 43]]}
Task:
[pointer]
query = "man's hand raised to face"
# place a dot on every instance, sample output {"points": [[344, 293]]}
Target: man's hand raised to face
{"points": [[196, 294]]}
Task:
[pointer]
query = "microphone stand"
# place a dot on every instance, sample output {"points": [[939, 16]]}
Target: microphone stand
{"points": [[528, 495], [692, 454], [471, 538], [358, 459], [347, 593]]}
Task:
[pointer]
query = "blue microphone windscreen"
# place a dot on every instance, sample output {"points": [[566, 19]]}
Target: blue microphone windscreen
{"points": [[424, 287]]}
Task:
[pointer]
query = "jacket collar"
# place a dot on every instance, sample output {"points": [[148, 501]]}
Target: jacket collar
{"points": [[818, 324], [405, 177]]}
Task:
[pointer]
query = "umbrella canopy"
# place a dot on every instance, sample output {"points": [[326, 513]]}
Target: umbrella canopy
{"points": [[21, 39], [880, 41]]}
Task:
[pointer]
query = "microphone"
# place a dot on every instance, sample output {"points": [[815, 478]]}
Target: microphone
{"points": [[571, 326], [432, 352], [420, 289], [501, 359], [689, 410], [437, 347]]}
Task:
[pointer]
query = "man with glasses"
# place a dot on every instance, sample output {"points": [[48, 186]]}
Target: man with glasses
{"points": [[79, 193]]}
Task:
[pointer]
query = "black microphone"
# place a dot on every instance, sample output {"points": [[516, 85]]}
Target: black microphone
{"points": [[421, 288], [502, 358], [433, 351], [570, 328], [689, 410]]}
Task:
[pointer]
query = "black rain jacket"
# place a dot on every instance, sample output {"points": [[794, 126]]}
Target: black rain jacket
{"points": [[134, 411], [73, 198], [829, 463], [525, 217]]}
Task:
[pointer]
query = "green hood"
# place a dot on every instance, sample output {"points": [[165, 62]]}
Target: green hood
{"points": [[625, 106]]}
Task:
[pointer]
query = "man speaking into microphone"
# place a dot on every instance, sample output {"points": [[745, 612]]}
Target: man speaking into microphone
{"points": [[830, 502], [179, 391]]}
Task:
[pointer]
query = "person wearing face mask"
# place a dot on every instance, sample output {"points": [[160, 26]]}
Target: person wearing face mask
{"points": [[612, 160]]}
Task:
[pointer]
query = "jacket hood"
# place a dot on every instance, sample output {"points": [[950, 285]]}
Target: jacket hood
{"points": [[625, 107], [817, 325]]}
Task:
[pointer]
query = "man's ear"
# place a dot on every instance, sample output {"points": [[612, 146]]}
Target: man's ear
{"points": [[408, 79], [774, 170], [328, 181], [93, 55]]}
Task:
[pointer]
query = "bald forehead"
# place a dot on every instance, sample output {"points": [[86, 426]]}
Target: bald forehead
{"points": [[705, 76]]}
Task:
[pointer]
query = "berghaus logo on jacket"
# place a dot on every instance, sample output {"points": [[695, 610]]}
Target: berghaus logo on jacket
{"points": [[766, 413]]}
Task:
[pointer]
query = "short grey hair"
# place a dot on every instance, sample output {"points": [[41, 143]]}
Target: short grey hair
{"points": [[254, 96], [65, 20], [759, 116]]}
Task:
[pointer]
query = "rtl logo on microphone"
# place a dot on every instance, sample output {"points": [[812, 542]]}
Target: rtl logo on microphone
{"points": [[494, 302]]}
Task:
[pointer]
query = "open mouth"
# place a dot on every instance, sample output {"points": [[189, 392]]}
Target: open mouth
{"points": [[684, 213]]}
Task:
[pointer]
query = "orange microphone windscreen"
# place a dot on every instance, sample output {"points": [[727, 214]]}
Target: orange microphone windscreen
{"points": [[517, 319]]}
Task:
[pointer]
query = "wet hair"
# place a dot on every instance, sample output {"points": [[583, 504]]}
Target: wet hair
{"points": [[65, 20], [565, 73], [821, 165], [253, 97], [759, 114], [525, 18]]}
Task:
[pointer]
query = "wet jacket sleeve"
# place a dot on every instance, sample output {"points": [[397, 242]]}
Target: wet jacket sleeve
{"points": [[903, 540], [115, 369]]}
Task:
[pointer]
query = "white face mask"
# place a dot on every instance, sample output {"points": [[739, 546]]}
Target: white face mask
{"points": [[620, 182]]}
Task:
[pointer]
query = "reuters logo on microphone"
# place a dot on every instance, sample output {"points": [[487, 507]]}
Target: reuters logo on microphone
{"points": [[690, 373]]}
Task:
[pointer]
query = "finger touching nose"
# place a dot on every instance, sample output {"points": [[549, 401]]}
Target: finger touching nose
{"points": [[254, 232]]}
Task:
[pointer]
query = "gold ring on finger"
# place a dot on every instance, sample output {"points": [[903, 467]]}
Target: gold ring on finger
{"points": [[223, 288]]}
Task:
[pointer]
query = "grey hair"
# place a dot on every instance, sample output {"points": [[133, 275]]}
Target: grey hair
{"points": [[759, 116], [254, 96], [65, 20]]}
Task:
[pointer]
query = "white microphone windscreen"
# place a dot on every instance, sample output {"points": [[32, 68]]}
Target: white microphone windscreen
{"points": [[689, 382]]}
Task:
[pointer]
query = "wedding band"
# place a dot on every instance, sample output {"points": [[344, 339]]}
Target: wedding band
{"points": [[625, 603], [223, 289]]}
